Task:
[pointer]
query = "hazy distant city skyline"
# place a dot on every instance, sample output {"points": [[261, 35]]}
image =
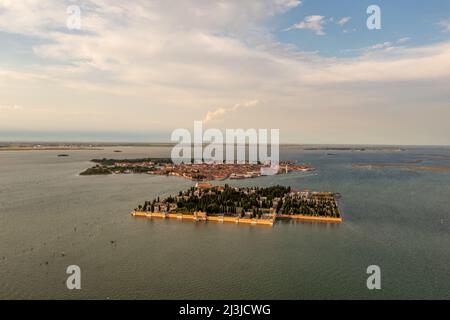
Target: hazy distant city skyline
{"points": [[136, 71]]}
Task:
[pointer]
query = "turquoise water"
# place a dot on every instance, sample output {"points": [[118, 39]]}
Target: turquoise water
{"points": [[50, 218]]}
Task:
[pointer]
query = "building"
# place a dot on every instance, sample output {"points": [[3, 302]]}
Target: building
{"points": [[203, 185], [269, 171]]}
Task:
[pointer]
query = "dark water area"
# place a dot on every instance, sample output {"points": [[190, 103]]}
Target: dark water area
{"points": [[396, 218]]}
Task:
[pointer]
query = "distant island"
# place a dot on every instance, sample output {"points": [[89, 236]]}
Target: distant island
{"points": [[46, 147], [353, 149], [191, 171], [125, 166], [413, 166], [254, 205]]}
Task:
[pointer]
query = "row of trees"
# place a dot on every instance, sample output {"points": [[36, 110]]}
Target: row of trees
{"points": [[230, 200], [310, 207]]}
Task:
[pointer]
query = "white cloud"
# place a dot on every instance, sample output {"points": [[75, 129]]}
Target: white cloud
{"points": [[343, 21], [16, 75], [445, 25], [220, 112], [314, 23], [152, 47], [13, 107], [292, 3], [402, 64], [403, 40], [172, 63], [383, 45]]}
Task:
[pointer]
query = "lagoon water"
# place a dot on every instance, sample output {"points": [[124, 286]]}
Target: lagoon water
{"points": [[50, 218]]}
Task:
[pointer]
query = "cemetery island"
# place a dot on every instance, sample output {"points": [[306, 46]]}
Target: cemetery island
{"points": [[253, 205]]}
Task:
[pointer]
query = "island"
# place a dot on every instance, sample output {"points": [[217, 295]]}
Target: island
{"points": [[124, 166], [249, 205], [47, 147], [192, 171], [411, 166]]}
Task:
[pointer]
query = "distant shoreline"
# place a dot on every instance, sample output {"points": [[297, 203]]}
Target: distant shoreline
{"points": [[402, 166], [304, 146], [47, 148]]}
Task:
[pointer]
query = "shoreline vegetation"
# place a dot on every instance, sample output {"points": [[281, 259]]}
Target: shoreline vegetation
{"points": [[254, 205], [191, 171]]}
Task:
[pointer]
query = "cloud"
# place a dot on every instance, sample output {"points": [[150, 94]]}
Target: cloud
{"points": [[383, 45], [403, 40], [388, 66], [7, 75], [445, 25], [220, 112], [176, 54], [343, 21], [292, 3], [13, 107], [387, 46], [150, 60], [314, 23]]}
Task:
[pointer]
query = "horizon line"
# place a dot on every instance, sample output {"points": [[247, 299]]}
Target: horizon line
{"points": [[161, 143]]}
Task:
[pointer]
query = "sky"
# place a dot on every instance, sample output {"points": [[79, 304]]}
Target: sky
{"points": [[137, 70]]}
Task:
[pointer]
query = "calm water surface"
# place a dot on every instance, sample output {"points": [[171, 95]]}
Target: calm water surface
{"points": [[50, 218]]}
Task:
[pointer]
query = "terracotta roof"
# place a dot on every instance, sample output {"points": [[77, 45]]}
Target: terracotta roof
{"points": [[203, 185]]}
